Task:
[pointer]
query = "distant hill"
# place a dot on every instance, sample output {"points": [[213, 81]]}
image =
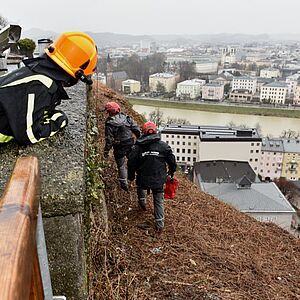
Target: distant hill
{"points": [[109, 39]]}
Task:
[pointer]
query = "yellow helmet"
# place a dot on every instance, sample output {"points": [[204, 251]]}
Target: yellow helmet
{"points": [[76, 53]]}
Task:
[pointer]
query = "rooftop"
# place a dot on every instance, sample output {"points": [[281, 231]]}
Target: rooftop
{"points": [[214, 133], [261, 197]]}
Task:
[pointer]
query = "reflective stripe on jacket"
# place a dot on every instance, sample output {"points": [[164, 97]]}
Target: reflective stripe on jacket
{"points": [[27, 106]]}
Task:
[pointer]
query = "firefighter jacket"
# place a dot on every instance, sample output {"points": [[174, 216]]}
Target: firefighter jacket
{"points": [[149, 159], [118, 133], [27, 106]]}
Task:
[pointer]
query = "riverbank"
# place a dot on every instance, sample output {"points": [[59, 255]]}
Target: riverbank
{"points": [[218, 108]]}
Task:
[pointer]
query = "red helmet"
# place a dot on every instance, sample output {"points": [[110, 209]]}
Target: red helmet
{"points": [[112, 108], [149, 128]]}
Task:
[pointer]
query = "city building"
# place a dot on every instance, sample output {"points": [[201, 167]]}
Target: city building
{"points": [[228, 55], [213, 91], [206, 65], [192, 143], [274, 92], [260, 200], [168, 80], [190, 88], [240, 96], [296, 99], [291, 159], [292, 83], [269, 73], [131, 86], [244, 83], [271, 160]]}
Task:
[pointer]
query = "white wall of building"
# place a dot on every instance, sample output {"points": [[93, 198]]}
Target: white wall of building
{"points": [[274, 92], [269, 73], [191, 88], [235, 150], [270, 164], [212, 91], [244, 83], [166, 79]]}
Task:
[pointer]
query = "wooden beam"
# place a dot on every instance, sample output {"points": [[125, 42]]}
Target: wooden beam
{"points": [[18, 219]]}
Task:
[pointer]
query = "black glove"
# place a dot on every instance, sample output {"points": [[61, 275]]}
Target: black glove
{"points": [[171, 176]]}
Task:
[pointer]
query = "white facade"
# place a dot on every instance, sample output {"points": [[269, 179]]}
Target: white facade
{"points": [[292, 82], [185, 146], [206, 66], [274, 92], [191, 143], [191, 88], [212, 91], [244, 83], [168, 80], [131, 86], [269, 73]]}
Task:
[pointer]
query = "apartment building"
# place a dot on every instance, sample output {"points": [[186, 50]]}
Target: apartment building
{"points": [[191, 143], [269, 73], [168, 80], [271, 160], [274, 92], [291, 159], [292, 83], [240, 96], [190, 88], [244, 83], [296, 99], [131, 86], [213, 91]]}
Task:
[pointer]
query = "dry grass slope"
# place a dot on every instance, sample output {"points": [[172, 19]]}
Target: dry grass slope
{"points": [[209, 250]]}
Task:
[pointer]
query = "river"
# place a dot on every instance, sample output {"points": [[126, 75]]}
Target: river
{"points": [[272, 126]]}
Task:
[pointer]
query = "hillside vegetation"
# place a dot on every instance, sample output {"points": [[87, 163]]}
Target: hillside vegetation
{"points": [[208, 250]]}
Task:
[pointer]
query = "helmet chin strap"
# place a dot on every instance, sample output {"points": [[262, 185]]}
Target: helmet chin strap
{"points": [[80, 75]]}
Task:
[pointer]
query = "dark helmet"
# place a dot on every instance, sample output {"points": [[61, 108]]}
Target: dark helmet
{"points": [[149, 128], [112, 108]]}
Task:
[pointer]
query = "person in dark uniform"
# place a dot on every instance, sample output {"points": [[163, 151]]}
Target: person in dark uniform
{"points": [[29, 95], [148, 160], [118, 135]]}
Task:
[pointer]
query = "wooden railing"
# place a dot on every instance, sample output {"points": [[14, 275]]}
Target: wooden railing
{"points": [[20, 276]]}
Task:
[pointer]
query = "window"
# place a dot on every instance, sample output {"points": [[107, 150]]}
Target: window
{"points": [[183, 143], [188, 151], [183, 137], [178, 136], [189, 159], [167, 142], [178, 143], [250, 159], [256, 159], [183, 150], [194, 151], [172, 142], [252, 144], [189, 143], [257, 144], [177, 150], [251, 151], [257, 151], [177, 157], [189, 137], [183, 158], [172, 136], [194, 159], [167, 135]]}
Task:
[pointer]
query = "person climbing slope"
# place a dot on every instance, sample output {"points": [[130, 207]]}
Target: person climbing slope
{"points": [[118, 135], [148, 160]]}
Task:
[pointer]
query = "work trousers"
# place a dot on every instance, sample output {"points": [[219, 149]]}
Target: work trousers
{"points": [[122, 170], [158, 199]]}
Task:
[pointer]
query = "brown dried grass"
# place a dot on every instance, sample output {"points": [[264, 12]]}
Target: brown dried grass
{"points": [[208, 250]]}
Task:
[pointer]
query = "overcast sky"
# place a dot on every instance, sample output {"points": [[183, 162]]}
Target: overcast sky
{"points": [[156, 16]]}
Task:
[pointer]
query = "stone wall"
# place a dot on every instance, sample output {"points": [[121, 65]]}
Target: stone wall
{"points": [[63, 192]]}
